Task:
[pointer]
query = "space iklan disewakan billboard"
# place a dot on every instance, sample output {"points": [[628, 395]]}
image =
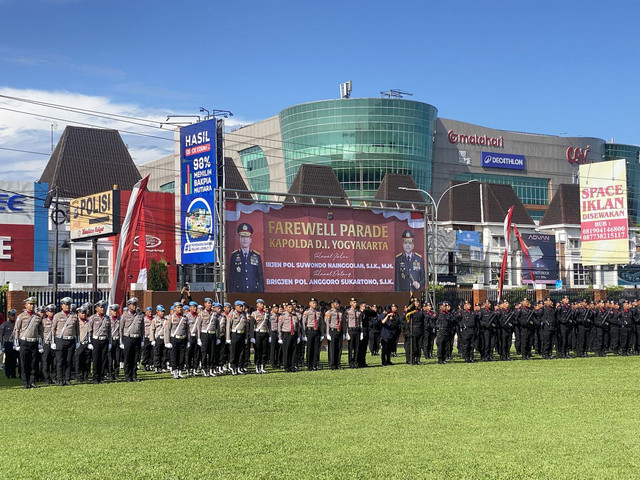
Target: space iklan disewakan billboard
{"points": [[24, 231], [198, 183], [276, 248]]}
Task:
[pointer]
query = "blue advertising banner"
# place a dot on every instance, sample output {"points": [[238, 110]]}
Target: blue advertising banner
{"points": [[542, 253], [198, 175], [503, 160]]}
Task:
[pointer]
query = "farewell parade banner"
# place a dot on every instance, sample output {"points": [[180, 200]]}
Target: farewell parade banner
{"points": [[603, 213], [275, 248]]}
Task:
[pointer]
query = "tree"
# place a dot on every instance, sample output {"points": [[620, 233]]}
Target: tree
{"points": [[158, 276]]}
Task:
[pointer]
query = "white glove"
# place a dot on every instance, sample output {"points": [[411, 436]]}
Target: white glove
{"points": [[348, 337], [298, 340], [328, 337], [77, 345], [253, 340], [228, 342], [280, 341], [90, 346], [110, 347], [269, 339], [41, 350], [168, 345], [53, 347], [218, 341], [361, 336], [199, 342], [122, 346], [153, 344], [188, 344], [304, 338], [16, 348], [142, 343]]}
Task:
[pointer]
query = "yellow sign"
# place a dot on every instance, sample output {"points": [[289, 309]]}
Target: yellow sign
{"points": [[95, 215], [604, 222]]}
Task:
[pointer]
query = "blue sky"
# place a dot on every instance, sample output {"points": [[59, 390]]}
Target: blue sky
{"points": [[541, 67]]}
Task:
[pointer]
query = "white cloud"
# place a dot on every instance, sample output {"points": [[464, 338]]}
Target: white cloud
{"points": [[26, 126]]}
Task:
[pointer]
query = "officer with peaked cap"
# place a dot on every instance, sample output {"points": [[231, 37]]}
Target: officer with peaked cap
{"points": [[100, 341], [409, 268], [208, 329], [48, 355], [245, 264], [131, 338], [115, 353], [83, 351], [66, 332], [158, 326], [28, 333]]}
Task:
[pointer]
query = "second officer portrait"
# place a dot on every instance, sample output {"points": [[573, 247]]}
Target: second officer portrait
{"points": [[409, 266], [245, 264]]}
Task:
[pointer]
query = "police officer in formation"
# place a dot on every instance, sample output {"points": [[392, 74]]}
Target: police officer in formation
{"points": [[75, 341]]}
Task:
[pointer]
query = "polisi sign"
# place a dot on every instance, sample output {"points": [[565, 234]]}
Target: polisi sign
{"points": [[95, 216], [578, 156]]}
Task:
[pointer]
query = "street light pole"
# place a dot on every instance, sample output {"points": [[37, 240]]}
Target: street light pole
{"points": [[436, 205]]}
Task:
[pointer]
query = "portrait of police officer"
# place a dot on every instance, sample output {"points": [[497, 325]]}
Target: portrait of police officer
{"points": [[245, 264], [409, 269]]}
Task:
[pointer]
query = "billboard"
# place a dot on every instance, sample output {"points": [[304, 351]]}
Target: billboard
{"points": [[198, 183], [159, 222], [503, 160], [23, 227], [275, 248], [469, 257], [95, 216], [604, 223], [542, 254]]}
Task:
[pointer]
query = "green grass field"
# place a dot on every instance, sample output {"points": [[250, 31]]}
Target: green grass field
{"points": [[575, 418]]}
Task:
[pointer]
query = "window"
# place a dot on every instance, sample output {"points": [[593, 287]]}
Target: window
{"points": [[84, 266], [498, 241], [574, 244], [204, 274], [581, 275]]}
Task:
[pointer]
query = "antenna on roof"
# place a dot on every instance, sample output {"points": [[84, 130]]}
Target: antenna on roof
{"points": [[345, 89], [395, 93]]}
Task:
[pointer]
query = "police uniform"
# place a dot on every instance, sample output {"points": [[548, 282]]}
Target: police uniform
{"points": [[158, 326], [101, 343], [193, 350], [48, 357], [6, 338], [131, 338], [83, 352], [208, 337], [409, 268], [354, 328], [564, 314], [237, 325], [66, 333], [275, 353], [176, 337], [115, 353], [288, 330], [259, 334], [245, 268], [334, 328], [146, 353], [312, 324], [28, 332]]}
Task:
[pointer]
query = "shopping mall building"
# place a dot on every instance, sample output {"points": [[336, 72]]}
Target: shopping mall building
{"points": [[364, 138]]}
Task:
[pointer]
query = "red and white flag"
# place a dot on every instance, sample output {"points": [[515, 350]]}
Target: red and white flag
{"points": [[507, 229], [125, 245], [507, 250]]}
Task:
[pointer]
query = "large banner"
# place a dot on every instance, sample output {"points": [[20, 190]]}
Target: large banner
{"points": [[275, 248], [469, 257], [23, 228], [198, 174], [542, 254], [603, 213]]}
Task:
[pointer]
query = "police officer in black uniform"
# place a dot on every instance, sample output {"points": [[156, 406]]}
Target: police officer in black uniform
{"points": [[245, 264]]}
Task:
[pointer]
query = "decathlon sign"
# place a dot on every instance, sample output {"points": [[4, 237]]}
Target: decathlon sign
{"points": [[503, 160]]}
